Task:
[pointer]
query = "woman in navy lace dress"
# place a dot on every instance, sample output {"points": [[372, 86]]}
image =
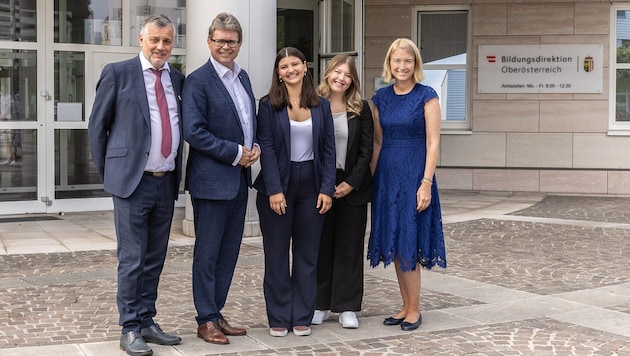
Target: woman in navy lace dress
{"points": [[406, 215]]}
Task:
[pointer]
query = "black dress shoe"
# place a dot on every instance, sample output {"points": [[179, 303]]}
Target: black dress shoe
{"points": [[407, 326], [155, 335], [392, 321], [134, 344]]}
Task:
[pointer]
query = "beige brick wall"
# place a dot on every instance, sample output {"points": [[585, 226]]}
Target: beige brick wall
{"points": [[528, 142]]}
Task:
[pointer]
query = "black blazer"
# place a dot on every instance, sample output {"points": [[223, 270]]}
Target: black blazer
{"points": [[358, 157]]}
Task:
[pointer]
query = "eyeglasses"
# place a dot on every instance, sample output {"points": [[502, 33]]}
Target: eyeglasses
{"points": [[221, 43]]}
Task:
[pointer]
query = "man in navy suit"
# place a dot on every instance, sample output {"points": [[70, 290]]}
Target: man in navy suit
{"points": [[219, 124], [136, 142]]}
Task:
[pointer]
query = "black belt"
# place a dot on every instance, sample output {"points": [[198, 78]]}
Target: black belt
{"points": [[155, 174]]}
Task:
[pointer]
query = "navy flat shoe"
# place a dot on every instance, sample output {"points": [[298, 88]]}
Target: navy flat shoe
{"points": [[392, 321], [407, 326]]}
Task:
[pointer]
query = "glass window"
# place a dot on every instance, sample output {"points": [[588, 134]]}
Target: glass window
{"points": [[75, 175], [295, 29], [88, 22], [443, 41], [18, 165], [621, 118], [18, 85], [178, 62], [69, 86], [341, 37], [174, 9], [18, 21]]}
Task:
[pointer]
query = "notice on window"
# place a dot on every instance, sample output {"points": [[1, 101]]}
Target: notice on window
{"points": [[540, 68]]}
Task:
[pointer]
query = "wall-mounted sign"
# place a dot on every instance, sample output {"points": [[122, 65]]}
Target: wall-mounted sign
{"points": [[540, 68]]}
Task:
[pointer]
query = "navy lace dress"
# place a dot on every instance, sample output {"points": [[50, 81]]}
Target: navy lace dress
{"points": [[398, 230]]}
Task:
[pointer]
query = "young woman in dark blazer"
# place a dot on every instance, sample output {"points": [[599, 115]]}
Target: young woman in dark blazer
{"points": [[295, 188], [340, 263]]}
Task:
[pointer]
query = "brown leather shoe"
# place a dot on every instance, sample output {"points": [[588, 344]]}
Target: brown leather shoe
{"points": [[211, 332], [229, 329]]}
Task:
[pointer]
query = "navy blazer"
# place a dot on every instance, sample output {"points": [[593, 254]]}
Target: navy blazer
{"points": [[274, 137], [358, 156], [120, 126], [213, 129]]}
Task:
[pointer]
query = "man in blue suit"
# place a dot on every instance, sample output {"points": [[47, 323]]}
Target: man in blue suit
{"points": [[219, 124], [136, 142]]}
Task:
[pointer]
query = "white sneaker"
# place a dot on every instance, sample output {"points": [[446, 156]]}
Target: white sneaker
{"points": [[348, 320], [6, 161], [319, 316], [278, 332], [301, 330], [13, 163]]}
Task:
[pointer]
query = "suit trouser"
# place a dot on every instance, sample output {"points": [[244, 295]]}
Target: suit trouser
{"points": [[143, 224], [219, 228], [290, 293], [340, 262]]}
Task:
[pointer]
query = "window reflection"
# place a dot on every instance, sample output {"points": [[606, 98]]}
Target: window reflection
{"points": [[75, 174], [89, 22], [174, 9], [443, 47], [178, 62], [623, 36], [18, 21], [18, 84], [69, 85], [18, 165], [622, 102], [341, 26]]}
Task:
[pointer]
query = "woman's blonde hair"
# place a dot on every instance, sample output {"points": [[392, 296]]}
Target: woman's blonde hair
{"points": [[409, 46], [354, 103]]}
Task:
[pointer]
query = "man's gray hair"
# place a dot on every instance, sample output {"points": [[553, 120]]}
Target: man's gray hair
{"points": [[158, 20]]}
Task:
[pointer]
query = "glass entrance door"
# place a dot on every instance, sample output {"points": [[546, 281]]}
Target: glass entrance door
{"points": [[20, 103], [51, 54], [45, 159], [298, 26]]}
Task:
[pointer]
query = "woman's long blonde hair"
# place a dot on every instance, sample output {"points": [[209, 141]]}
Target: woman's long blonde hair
{"points": [[354, 102]]}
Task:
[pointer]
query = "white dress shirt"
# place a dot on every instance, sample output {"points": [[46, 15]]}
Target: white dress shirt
{"points": [[157, 162], [240, 98]]}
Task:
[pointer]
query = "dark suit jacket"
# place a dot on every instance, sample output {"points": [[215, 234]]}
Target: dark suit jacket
{"points": [[120, 126], [274, 137], [358, 157], [214, 132]]}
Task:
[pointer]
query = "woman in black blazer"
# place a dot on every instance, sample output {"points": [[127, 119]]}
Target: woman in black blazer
{"points": [[340, 263], [295, 188]]}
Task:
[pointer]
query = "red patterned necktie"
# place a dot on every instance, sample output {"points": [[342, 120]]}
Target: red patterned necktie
{"points": [[167, 139]]}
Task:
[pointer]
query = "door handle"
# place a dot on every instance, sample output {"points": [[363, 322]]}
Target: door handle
{"points": [[46, 95]]}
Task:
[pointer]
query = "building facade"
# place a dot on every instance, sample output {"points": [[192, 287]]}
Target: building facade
{"points": [[556, 140], [499, 132], [52, 53]]}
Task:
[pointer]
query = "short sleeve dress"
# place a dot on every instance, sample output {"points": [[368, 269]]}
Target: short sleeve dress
{"points": [[398, 231]]}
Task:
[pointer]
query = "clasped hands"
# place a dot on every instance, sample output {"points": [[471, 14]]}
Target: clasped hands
{"points": [[342, 190], [249, 157]]}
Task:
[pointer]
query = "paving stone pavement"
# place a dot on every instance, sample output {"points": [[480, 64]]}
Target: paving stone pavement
{"points": [[528, 274]]}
